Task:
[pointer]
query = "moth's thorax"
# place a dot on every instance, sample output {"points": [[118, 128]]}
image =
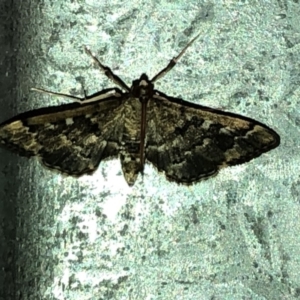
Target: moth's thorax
{"points": [[132, 118], [142, 88]]}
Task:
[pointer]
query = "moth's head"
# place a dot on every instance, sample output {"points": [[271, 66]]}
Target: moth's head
{"points": [[142, 88]]}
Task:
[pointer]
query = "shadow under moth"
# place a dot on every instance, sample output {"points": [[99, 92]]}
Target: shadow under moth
{"points": [[186, 141]]}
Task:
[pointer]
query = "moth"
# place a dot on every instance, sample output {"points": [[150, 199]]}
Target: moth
{"points": [[138, 124]]}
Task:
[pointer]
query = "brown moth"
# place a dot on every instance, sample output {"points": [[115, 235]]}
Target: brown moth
{"points": [[138, 124]]}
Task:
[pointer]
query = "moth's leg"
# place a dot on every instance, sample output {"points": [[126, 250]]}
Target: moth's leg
{"points": [[108, 72], [173, 61], [92, 98]]}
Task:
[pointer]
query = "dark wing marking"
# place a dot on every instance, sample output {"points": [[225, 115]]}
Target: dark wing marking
{"points": [[190, 142], [71, 138]]}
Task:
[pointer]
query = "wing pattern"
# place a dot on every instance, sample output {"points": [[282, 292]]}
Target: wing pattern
{"points": [[190, 142], [71, 138]]}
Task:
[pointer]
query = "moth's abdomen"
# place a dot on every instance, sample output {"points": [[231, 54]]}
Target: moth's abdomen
{"points": [[130, 152], [130, 161]]}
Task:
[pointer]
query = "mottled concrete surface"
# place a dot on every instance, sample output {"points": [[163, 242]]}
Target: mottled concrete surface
{"points": [[235, 236]]}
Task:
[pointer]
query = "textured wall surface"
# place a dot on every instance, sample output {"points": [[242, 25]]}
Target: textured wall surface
{"points": [[234, 236]]}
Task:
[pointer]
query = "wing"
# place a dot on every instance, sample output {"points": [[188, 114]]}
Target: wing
{"points": [[190, 142], [71, 138]]}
